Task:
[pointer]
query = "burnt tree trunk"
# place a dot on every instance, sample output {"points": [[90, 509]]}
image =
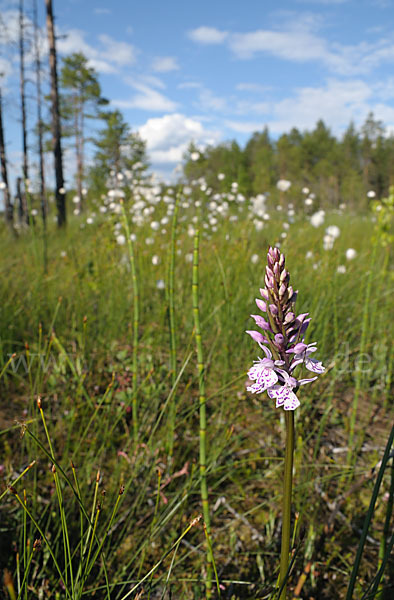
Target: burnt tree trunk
{"points": [[43, 201], [8, 208], [56, 127], [23, 111]]}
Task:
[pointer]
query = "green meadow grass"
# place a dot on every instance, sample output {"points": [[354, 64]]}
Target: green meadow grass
{"points": [[114, 505]]}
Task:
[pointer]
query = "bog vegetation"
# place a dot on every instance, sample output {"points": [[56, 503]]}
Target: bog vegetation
{"points": [[124, 360]]}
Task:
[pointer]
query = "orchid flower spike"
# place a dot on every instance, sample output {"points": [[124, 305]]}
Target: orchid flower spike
{"points": [[282, 340]]}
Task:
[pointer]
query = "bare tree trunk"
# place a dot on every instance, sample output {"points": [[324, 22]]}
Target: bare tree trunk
{"points": [[23, 109], [19, 197], [39, 118], [56, 128], [80, 165], [78, 150], [8, 208]]}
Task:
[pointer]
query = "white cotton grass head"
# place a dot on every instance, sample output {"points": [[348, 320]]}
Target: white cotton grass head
{"points": [[328, 242], [155, 260], [120, 239], [283, 185], [351, 253], [341, 269], [317, 218], [333, 231], [254, 259], [160, 284]]}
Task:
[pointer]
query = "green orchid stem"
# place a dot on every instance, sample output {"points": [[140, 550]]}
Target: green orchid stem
{"points": [[287, 488]]}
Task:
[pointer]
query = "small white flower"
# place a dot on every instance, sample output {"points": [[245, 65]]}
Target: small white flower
{"points": [[133, 237], [195, 156], [149, 241], [76, 199], [317, 218], [62, 190], [305, 190], [76, 211], [89, 221], [121, 239], [155, 260], [160, 284], [283, 185], [308, 201], [34, 212], [351, 253], [309, 254], [333, 231], [221, 176], [189, 257], [63, 254], [371, 194], [254, 259], [258, 224], [341, 269], [155, 225], [328, 242]]}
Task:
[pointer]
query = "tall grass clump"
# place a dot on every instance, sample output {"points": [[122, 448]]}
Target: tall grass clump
{"points": [[114, 488]]}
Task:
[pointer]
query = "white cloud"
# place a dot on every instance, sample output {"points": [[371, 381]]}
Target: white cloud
{"points": [[107, 57], [168, 137], [102, 11], [337, 103], [164, 64], [253, 87], [147, 98], [207, 35], [293, 45], [244, 126], [121, 53], [298, 40], [208, 101]]}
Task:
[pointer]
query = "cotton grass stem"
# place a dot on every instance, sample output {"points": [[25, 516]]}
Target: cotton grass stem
{"points": [[287, 490], [135, 321], [202, 406], [171, 316]]}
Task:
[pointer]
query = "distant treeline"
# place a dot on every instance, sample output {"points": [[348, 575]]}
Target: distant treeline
{"points": [[336, 170]]}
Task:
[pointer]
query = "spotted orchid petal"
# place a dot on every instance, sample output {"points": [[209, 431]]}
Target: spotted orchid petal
{"points": [[284, 397]]}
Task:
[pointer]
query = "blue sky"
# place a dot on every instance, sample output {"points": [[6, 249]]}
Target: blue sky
{"points": [[210, 71]]}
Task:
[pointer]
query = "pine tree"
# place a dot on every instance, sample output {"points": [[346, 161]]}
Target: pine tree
{"points": [[118, 150], [81, 100]]}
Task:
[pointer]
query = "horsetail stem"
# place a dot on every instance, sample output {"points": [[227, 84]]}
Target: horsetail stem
{"points": [[203, 416], [135, 321]]}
